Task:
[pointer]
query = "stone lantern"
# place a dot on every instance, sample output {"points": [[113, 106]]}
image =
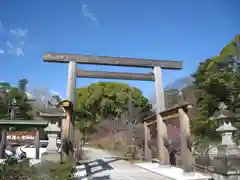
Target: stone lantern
{"points": [[226, 162], [227, 146], [54, 117]]}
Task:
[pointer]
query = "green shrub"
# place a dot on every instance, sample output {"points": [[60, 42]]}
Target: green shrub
{"points": [[13, 170]]}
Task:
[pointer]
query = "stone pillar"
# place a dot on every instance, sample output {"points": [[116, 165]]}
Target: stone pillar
{"points": [[185, 150], [165, 138], [37, 144], [162, 150], [160, 106], [147, 137], [3, 142], [160, 101]]}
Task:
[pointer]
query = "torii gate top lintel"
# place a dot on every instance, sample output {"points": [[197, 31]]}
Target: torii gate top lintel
{"points": [[111, 61]]}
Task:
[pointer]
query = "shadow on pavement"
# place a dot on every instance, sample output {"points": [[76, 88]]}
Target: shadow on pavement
{"points": [[100, 165], [102, 178]]}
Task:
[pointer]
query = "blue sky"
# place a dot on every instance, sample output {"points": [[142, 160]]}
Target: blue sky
{"points": [[187, 30]]}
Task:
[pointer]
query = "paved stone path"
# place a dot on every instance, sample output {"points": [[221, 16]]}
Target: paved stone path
{"points": [[102, 165]]}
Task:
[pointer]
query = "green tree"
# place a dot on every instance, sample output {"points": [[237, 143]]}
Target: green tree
{"points": [[21, 98], [8, 93], [4, 90], [107, 99], [216, 80]]}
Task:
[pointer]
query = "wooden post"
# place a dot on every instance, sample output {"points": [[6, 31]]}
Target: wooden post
{"points": [[186, 152], [3, 142], [62, 141], [65, 132], [66, 123], [160, 106], [147, 137], [37, 143]]}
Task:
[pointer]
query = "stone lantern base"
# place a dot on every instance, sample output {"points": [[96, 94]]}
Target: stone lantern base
{"points": [[52, 153], [52, 157]]}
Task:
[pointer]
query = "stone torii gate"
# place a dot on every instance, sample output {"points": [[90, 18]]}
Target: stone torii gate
{"points": [[156, 76]]}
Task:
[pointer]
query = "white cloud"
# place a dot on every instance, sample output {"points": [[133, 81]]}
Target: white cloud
{"points": [[19, 32], [9, 45], [13, 45], [87, 14], [18, 51]]}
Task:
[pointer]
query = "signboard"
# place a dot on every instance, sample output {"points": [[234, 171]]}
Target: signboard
{"points": [[21, 135]]}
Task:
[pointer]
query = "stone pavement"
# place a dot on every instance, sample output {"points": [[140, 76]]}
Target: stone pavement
{"points": [[102, 165]]}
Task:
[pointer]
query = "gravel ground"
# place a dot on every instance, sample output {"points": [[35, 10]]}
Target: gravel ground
{"points": [[102, 165]]}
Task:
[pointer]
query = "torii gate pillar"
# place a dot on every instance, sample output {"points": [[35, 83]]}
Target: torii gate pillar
{"points": [[71, 96], [161, 126], [71, 85]]}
